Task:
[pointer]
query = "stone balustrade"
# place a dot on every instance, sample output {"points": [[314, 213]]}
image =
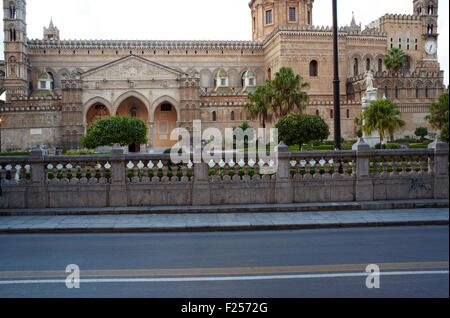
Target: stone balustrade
{"points": [[119, 180]]}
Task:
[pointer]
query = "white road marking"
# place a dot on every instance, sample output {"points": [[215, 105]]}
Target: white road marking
{"points": [[218, 278]]}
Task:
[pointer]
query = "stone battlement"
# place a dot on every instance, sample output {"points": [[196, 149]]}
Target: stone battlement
{"points": [[142, 44]]}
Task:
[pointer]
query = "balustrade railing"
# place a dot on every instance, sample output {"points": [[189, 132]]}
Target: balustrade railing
{"points": [[245, 169], [368, 170], [15, 171], [77, 170], [142, 169], [322, 165], [408, 162]]}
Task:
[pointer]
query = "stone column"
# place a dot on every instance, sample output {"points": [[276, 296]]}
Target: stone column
{"points": [[151, 126], [364, 185], [284, 192], [201, 192], [440, 169], [37, 193], [118, 190]]}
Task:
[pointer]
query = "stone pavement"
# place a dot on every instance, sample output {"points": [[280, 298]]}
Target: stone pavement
{"points": [[196, 222]]}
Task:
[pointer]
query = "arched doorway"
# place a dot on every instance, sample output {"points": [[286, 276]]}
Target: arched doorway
{"points": [[165, 118], [96, 112], [133, 107]]}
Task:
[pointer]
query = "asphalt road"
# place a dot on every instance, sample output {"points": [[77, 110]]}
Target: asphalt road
{"points": [[309, 263]]}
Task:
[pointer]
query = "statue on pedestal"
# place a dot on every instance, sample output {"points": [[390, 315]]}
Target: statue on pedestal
{"points": [[370, 95]]}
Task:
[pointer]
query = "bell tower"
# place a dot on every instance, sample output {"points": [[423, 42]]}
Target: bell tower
{"points": [[15, 41], [427, 11], [267, 15]]}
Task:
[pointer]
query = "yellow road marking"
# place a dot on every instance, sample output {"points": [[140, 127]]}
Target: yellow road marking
{"points": [[224, 271]]}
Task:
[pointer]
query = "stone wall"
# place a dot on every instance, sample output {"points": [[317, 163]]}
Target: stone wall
{"points": [[119, 180]]}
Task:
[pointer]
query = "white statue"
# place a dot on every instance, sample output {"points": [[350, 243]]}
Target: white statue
{"points": [[369, 80]]}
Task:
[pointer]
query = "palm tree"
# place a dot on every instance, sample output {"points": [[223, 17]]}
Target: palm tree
{"points": [[382, 116], [260, 103], [394, 61], [288, 92]]}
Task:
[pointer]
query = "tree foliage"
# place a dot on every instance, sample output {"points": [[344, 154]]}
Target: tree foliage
{"points": [[302, 129], [421, 132], [288, 92], [444, 133], [394, 60], [278, 97], [260, 103], [382, 116], [439, 112], [122, 130]]}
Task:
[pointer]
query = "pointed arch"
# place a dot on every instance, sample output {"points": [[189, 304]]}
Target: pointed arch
{"points": [[165, 99], [124, 96]]}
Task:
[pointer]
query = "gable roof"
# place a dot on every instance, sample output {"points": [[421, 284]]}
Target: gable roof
{"points": [[136, 59]]}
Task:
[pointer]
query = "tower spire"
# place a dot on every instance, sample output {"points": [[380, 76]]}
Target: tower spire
{"points": [[51, 23], [353, 23]]}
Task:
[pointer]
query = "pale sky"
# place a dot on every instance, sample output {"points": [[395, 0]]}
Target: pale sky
{"points": [[196, 20]]}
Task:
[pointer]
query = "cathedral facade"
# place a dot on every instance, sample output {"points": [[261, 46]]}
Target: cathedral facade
{"points": [[56, 88]]}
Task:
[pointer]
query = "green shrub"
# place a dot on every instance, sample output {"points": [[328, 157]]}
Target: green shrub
{"points": [[14, 153], [417, 146], [85, 153], [389, 146]]}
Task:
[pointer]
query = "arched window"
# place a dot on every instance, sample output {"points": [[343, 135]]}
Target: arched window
{"points": [[396, 92], [313, 68], [407, 65], [355, 67], [232, 116], [269, 74], [380, 65], [367, 64], [317, 113], [331, 114], [417, 92], [348, 113], [12, 34], [427, 93], [214, 116], [12, 12], [385, 91], [309, 17]]}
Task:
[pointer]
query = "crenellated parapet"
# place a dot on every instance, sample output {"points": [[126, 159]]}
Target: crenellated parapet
{"points": [[321, 31], [142, 44]]}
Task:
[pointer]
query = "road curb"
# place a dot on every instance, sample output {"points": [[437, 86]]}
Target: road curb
{"points": [[233, 228], [256, 208]]}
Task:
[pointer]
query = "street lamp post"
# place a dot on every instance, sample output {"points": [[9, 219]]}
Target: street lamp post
{"points": [[1, 121], [336, 82]]}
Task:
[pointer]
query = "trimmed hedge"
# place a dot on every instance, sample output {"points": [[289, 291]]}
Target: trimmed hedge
{"points": [[418, 146], [14, 153], [389, 146]]}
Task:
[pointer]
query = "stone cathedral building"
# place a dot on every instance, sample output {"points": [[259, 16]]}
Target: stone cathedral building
{"points": [[56, 88]]}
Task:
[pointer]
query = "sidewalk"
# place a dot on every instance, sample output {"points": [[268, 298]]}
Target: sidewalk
{"points": [[195, 222]]}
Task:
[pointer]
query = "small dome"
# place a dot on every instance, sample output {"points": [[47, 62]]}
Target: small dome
{"points": [[44, 76], [249, 73], [222, 73]]}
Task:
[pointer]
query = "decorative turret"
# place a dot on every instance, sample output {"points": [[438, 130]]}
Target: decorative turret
{"points": [[267, 15], [353, 26], [249, 81], [52, 32], [45, 84]]}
